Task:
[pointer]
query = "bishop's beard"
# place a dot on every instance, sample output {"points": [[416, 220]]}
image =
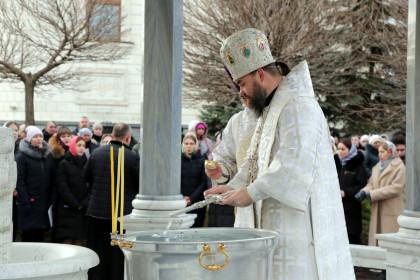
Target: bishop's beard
{"points": [[257, 102]]}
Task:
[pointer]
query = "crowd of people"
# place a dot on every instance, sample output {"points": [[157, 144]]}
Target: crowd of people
{"points": [[61, 178], [371, 168], [63, 183]]}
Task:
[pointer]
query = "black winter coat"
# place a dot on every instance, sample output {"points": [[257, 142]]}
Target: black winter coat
{"points": [[91, 146], [47, 136], [97, 173], [194, 183], [371, 159], [352, 178], [36, 192], [70, 222], [193, 177]]}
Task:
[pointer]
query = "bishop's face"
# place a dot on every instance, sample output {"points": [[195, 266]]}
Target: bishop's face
{"points": [[252, 94]]}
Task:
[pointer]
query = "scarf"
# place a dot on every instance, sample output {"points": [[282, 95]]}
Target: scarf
{"points": [[73, 143], [352, 153], [189, 156], [392, 151]]}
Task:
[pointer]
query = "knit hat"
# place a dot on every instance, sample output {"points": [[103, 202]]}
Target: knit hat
{"points": [[73, 143], [375, 138], [84, 131], [364, 138], [200, 126], [31, 131], [245, 51]]}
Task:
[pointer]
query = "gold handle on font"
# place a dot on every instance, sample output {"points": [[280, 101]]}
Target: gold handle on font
{"points": [[207, 250]]}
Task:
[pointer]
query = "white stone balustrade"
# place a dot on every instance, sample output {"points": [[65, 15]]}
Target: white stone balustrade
{"points": [[368, 256]]}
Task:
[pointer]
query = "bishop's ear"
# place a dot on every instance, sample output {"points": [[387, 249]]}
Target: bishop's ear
{"points": [[260, 74]]}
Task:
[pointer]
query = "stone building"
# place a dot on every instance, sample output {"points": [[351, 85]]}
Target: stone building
{"points": [[112, 91]]}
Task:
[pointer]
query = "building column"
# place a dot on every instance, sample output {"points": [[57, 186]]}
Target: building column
{"points": [[160, 160], [403, 247]]}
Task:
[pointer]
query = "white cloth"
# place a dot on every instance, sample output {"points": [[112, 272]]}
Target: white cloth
{"points": [[297, 181], [231, 153]]}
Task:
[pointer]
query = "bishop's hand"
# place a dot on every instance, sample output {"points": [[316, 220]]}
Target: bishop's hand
{"points": [[214, 173], [239, 197]]}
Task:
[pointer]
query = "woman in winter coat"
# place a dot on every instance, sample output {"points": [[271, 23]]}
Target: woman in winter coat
{"points": [[70, 221], [35, 179], [59, 143], [206, 146], [352, 177], [386, 190], [193, 176]]}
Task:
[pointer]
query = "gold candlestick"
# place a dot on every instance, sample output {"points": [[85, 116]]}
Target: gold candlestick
{"points": [[118, 186], [122, 191], [114, 225]]}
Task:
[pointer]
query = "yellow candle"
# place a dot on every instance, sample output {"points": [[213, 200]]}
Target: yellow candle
{"points": [[114, 228], [122, 191], [118, 187]]}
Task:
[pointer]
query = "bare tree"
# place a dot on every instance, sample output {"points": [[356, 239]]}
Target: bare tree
{"points": [[341, 40], [37, 37], [368, 85]]}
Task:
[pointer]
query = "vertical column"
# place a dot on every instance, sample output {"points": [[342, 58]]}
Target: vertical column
{"points": [[412, 199], [161, 149], [160, 166]]}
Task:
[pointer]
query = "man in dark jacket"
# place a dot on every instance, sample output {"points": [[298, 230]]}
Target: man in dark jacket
{"points": [[98, 174], [49, 130], [84, 122]]}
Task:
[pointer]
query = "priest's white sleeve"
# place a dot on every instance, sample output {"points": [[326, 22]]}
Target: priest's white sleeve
{"points": [[290, 173], [224, 153]]}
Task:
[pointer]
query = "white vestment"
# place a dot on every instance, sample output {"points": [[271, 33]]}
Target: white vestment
{"points": [[231, 153], [297, 183]]}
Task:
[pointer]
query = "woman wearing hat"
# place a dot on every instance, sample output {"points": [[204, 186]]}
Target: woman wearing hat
{"points": [[363, 141], [206, 146], [35, 167], [86, 133], [371, 154]]}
